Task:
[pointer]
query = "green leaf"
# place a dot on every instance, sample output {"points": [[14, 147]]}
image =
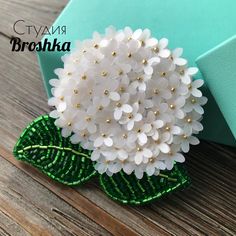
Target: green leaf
{"points": [[42, 146], [128, 189]]}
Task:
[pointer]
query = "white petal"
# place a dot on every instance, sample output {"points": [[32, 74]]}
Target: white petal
{"points": [[114, 96], [164, 147], [138, 117], [179, 157], [194, 140], [192, 70], [165, 53], [98, 142], [54, 114], [137, 33], [148, 70], [138, 158], [196, 92], [147, 153], [180, 61], [65, 132], [142, 138], [150, 170], [185, 146], [61, 107], [117, 114], [177, 52], [151, 42], [198, 109], [130, 125], [163, 42], [108, 141], [198, 83], [127, 108]]}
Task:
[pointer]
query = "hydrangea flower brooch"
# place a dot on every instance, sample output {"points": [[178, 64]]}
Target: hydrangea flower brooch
{"points": [[125, 109]]}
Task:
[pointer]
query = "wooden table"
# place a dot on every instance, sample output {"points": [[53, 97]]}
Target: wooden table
{"points": [[32, 204]]}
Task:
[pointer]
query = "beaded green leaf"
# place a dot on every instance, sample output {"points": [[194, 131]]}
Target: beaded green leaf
{"points": [[128, 189], [42, 146]]}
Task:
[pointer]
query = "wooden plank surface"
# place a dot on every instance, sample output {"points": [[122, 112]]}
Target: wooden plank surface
{"points": [[31, 204]]}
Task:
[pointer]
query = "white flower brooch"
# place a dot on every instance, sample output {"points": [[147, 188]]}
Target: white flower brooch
{"points": [[131, 108]]}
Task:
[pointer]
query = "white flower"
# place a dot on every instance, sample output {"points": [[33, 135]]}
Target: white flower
{"points": [[160, 48], [130, 99], [185, 139], [187, 73], [195, 103], [193, 88], [132, 117], [121, 106], [141, 153], [176, 57], [172, 156]]}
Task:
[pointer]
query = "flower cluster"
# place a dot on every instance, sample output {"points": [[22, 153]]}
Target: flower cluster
{"points": [[130, 99]]}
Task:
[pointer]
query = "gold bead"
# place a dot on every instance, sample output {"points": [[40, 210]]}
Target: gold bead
{"points": [[106, 92], [140, 78], [130, 116], [172, 89], [84, 51], [113, 54], [104, 73], [129, 38], [76, 91], [144, 61], [190, 87], [62, 98], [142, 43], [163, 74], [129, 55], [181, 72], [151, 160], [139, 130], [100, 108], [122, 89], [193, 101], [103, 135], [90, 92], [167, 128], [139, 149], [108, 121], [121, 72], [185, 136], [189, 120], [69, 124], [84, 135], [96, 62], [125, 136], [170, 153], [156, 113], [84, 77], [155, 49], [172, 106], [118, 104], [158, 141], [69, 73], [78, 105], [96, 46], [88, 118], [155, 91]]}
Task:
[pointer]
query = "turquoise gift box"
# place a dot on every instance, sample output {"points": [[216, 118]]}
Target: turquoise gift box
{"points": [[195, 25]]}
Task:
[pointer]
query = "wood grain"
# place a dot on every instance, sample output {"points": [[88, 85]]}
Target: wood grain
{"points": [[32, 204]]}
